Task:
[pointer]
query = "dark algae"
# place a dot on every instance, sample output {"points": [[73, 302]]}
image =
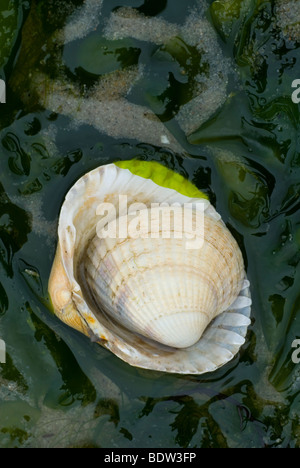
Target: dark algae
{"points": [[205, 88]]}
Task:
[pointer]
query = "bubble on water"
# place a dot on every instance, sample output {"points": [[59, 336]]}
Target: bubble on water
{"points": [[83, 21], [288, 18]]}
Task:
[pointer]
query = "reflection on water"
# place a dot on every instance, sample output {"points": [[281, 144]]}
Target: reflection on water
{"points": [[218, 111]]}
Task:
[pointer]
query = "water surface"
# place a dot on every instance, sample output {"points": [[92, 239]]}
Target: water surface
{"points": [[57, 389]]}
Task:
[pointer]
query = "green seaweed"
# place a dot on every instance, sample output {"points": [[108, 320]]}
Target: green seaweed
{"points": [[40, 50], [9, 20], [4, 302], [15, 225], [229, 16], [247, 191], [162, 176], [186, 64], [96, 56]]}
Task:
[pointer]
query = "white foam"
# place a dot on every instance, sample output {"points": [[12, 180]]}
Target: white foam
{"points": [[210, 91], [107, 111], [83, 21], [116, 84], [288, 18], [198, 32], [128, 22], [106, 108], [197, 111]]}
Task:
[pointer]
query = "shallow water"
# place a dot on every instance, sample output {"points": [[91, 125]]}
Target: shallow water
{"points": [[238, 142]]}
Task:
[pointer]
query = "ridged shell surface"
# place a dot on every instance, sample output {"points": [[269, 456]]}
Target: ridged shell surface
{"points": [[161, 289], [153, 302]]}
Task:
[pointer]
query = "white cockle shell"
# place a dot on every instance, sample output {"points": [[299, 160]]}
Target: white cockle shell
{"points": [[156, 302]]}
